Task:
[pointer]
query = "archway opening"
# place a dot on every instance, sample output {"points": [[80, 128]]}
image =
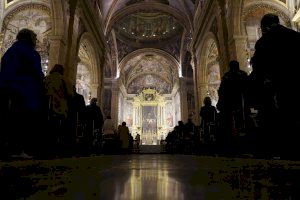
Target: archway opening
{"points": [[35, 17], [212, 71], [149, 98], [86, 73]]}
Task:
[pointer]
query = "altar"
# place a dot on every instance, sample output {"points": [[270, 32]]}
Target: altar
{"points": [[149, 117]]}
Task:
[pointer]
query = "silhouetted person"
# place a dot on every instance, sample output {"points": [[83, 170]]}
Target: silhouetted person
{"points": [[76, 116], [94, 122], [231, 103], [275, 74], [208, 114], [57, 96], [189, 133], [20, 84], [123, 133]]}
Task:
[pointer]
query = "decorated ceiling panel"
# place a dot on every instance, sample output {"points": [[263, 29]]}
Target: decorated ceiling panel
{"points": [[147, 27], [147, 67], [149, 63], [149, 81]]}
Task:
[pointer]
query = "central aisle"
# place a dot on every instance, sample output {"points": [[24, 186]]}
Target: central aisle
{"points": [[151, 176]]}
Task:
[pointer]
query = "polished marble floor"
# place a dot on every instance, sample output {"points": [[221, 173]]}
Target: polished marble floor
{"points": [[150, 177]]}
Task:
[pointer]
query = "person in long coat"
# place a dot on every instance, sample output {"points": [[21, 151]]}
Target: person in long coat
{"points": [[21, 79], [123, 133]]}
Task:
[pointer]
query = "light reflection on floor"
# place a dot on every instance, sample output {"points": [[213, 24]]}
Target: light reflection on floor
{"points": [[150, 177]]}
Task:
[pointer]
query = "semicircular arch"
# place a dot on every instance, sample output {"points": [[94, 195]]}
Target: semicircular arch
{"points": [[147, 6], [89, 55], [209, 75], [159, 52], [268, 6]]}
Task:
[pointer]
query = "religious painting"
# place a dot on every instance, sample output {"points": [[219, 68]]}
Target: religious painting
{"points": [[169, 115], [149, 81], [129, 115], [83, 82], [149, 117], [177, 106], [213, 74]]}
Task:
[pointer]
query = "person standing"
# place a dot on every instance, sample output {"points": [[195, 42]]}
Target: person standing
{"points": [[275, 80], [57, 93], [123, 133], [208, 114], [232, 105], [94, 123], [76, 115], [21, 80]]}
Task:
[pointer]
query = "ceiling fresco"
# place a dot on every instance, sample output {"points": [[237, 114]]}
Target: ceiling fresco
{"points": [[148, 70], [187, 6], [147, 27], [149, 63], [149, 81]]}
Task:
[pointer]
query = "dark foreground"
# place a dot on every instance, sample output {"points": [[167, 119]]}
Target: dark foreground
{"points": [[152, 176]]}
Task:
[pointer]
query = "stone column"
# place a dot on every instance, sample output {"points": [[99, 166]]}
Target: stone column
{"points": [[222, 34], [57, 50], [239, 45], [114, 101], [72, 38], [183, 99], [196, 94]]}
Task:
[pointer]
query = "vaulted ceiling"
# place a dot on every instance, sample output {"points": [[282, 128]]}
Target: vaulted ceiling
{"points": [[131, 25]]}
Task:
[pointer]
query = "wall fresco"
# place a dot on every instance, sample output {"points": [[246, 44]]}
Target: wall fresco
{"points": [[34, 18], [149, 81]]}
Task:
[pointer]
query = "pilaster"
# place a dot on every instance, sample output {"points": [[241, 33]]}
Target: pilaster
{"points": [[57, 50], [238, 44], [114, 101], [183, 99]]}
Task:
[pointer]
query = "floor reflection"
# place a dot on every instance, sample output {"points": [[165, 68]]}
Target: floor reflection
{"points": [[150, 177]]}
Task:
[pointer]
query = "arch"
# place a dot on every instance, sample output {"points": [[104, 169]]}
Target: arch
{"points": [[250, 21], [34, 16], [242, 9], [16, 9], [149, 50], [275, 7], [87, 72], [209, 75], [144, 6]]}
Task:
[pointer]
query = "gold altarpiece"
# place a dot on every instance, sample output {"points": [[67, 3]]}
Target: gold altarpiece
{"points": [[149, 117]]}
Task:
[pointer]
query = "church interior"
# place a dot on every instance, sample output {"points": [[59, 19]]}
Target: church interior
{"points": [[149, 63]]}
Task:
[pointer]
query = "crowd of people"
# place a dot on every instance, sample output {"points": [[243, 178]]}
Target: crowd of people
{"points": [[257, 113], [42, 116]]}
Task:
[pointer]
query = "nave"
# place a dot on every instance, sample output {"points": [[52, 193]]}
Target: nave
{"points": [[150, 176]]}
